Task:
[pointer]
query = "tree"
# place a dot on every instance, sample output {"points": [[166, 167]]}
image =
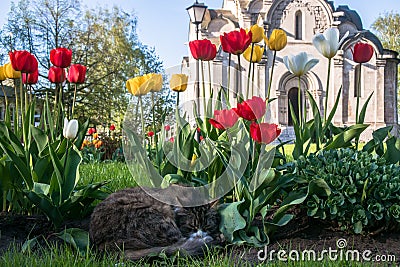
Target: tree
{"points": [[387, 28], [103, 40]]}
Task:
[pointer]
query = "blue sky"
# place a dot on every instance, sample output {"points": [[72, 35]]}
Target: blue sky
{"points": [[164, 24]]}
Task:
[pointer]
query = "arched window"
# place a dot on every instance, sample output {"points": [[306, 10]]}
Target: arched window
{"points": [[293, 99], [298, 27]]}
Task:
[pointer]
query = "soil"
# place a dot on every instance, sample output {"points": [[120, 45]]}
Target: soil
{"points": [[302, 233]]}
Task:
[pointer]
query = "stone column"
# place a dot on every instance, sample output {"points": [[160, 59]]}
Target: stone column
{"points": [[380, 93]]}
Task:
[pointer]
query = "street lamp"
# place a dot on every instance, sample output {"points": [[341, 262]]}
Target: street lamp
{"points": [[196, 13]]}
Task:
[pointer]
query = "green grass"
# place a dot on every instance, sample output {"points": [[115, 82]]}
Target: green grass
{"points": [[115, 173], [56, 256], [118, 177]]}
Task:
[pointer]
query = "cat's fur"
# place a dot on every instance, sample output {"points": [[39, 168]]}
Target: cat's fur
{"points": [[132, 221]]}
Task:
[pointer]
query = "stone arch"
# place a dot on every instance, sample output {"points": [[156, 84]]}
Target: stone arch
{"points": [[255, 7], [220, 24], [319, 9], [307, 82]]}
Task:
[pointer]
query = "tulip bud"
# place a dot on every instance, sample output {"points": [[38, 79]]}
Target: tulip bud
{"points": [[257, 33], [178, 82], [70, 129], [277, 40]]}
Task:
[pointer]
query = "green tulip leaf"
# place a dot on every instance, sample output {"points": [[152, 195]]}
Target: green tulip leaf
{"points": [[231, 220], [78, 238], [343, 139], [361, 117]]}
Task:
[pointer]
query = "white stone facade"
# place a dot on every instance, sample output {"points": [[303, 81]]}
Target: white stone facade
{"points": [[302, 19]]}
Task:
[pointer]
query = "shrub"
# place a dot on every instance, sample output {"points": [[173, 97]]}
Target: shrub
{"points": [[364, 189]]}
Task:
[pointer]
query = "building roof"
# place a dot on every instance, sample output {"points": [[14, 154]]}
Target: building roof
{"points": [[351, 16]]}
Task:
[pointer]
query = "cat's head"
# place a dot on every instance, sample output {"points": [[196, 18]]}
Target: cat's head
{"points": [[202, 220]]}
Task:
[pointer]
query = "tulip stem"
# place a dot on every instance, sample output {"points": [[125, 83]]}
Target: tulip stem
{"points": [[209, 77], [73, 102], [229, 76], [248, 76], [358, 99], [299, 103], [21, 92], [154, 129], [204, 89], [16, 110], [142, 119], [239, 86], [177, 113], [327, 90], [272, 73], [252, 79]]}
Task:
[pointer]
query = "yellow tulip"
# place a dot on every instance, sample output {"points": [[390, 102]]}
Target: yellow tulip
{"points": [[156, 82], [10, 73], [139, 86], [277, 40], [178, 82], [257, 33], [2, 74], [258, 52]]}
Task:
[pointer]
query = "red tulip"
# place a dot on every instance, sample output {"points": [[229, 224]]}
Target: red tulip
{"points": [[56, 75], [264, 132], [91, 131], [112, 127], [30, 78], [251, 109], [235, 42], [167, 128], [203, 49], [23, 61], [362, 52], [76, 73], [150, 134], [172, 139], [224, 119], [61, 57], [201, 138]]}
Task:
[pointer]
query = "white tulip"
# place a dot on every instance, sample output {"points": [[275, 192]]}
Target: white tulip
{"points": [[299, 64], [328, 43], [70, 129]]}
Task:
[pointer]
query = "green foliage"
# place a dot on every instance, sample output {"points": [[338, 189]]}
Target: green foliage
{"points": [[384, 145], [323, 133], [364, 189], [43, 173]]}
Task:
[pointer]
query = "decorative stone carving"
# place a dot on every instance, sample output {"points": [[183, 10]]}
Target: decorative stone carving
{"points": [[284, 8]]}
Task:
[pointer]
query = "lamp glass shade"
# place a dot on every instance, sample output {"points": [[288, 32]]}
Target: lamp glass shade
{"points": [[196, 12]]}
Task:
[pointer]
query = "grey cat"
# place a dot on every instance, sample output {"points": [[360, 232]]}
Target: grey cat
{"points": [[132, 221]]}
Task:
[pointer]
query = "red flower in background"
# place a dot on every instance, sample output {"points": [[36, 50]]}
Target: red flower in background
{"points": [[167, 128], [91, 131], [77, 73], [30, 78], [23, 61], [235, 42], [264, 132], [61, 57], [112, 127], [251, 109], [150, 134], [362, 52], [172, 139], [56, 75], [224, 119], [203, 49]]}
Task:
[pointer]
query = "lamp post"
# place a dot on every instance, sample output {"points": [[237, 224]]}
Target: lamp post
{"points": [[196, 13]]}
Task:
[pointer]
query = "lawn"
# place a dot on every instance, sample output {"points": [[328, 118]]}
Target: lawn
{"points": [[118, 177]]}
